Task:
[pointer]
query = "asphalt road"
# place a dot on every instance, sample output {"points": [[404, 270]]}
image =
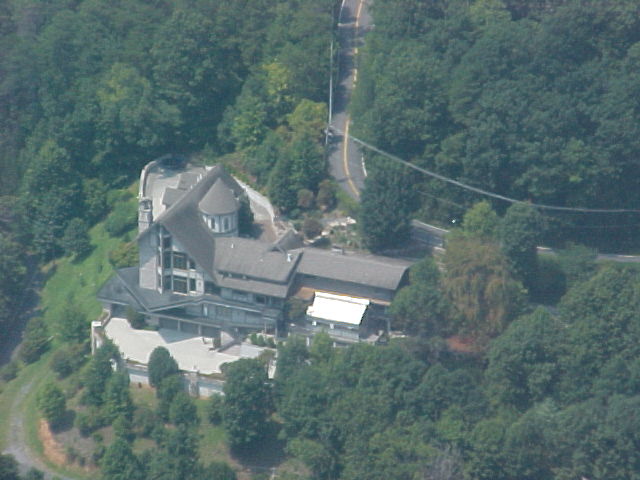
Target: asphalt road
{"points": [[345, 159]]}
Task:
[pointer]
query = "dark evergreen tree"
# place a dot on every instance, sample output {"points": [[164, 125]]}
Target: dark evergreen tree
{"points": [[161, 365], [247, 402], [387, 203]]}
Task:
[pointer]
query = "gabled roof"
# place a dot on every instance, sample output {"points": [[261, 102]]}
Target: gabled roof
{"points": [[370, 270], [219, 200], [254, 259]]}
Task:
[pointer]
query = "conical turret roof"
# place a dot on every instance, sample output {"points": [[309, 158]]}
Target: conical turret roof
{"points": [[219, 200]]}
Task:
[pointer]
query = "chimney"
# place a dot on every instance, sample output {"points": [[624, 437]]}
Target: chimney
{"points": [[145, 214]]}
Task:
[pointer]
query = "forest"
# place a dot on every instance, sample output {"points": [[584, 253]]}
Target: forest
{"points": [[513, 365], [533, 100], [92, 91]]}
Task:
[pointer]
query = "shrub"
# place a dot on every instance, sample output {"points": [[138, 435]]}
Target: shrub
{"points": [[121, 219], [124, 255], [305, 199], [136, 319], [52, 404], [311, 227], [9, 371], [214, 409], [73, 325], [183, 411], [35, 340], [144, 421], [89, 421], [67, 360], [326, 198], [76, 238]]}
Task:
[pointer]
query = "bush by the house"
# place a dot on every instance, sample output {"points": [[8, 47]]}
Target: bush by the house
{"points": [[124, 255], [136, 319], [311, 227]]}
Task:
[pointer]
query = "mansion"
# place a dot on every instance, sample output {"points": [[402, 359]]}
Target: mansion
{"points": [[197, 275]]}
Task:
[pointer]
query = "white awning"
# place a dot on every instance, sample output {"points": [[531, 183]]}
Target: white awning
{"points": [[338, 308]]}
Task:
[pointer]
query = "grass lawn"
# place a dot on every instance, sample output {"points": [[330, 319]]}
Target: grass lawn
{"points": [[79, 281], [212, 438]]}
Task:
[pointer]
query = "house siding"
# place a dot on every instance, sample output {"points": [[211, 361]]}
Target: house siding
{"points": [[148, 247]]}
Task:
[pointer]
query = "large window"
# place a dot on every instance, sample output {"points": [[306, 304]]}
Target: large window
{"points": [[210, 287], [179, 261], [180, 284], [192, 284]]}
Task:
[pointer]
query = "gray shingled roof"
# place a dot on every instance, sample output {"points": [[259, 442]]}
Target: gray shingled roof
{"points": [[171, 196], [368, 270], [254, 259], [261, 267], [219, 200]]}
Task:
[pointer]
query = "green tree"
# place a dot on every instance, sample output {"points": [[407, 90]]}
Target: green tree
{"points": [[72, 323], [386, 204], [35, 340], [601, 324], [12, 276], [282, 190], [578, 262], [479, 285], [98, 373], [76, 238], [245, 217], [120, 463], [481, 222], [219, 471], [8, 467], [67, 359], [166, 391], [193, 71], [292, 355], [420, 308], [247, 402], [214, 409], [131, 119], [183, 411], [117, 399], [161, 365], [52, 404], [520, 233], [524, 361]]}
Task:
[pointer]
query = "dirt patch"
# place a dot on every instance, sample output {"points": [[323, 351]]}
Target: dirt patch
{"points": [[52, 449], [464, 345]]}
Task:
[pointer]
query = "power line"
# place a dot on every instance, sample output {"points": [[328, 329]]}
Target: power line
{"points": [[485, 192]]}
